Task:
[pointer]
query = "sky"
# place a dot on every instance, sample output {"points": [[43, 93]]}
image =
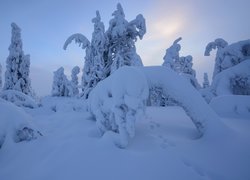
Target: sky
{"points": [[47, 24]]}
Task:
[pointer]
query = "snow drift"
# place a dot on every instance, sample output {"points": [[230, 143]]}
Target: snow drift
{"points": [[15, 125]]}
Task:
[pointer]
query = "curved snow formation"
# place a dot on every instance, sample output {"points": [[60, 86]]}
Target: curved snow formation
{"points": [[221, 84], [15, 125], [179, 89], [117, 101]]}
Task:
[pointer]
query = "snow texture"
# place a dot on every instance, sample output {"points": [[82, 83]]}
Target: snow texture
{"points": [[118, 101], [15, 125], [17, 65], [18, 98]]}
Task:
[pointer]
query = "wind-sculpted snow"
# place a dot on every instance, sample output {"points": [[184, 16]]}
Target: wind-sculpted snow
{"points": [[118, 101], [15, 125]]}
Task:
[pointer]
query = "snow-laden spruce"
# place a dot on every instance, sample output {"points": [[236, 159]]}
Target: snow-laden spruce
{"points": [[107, 51], [93, 70], [122, 36], [205, 81], [74, 81], [61, 85], [182, 65], [17, 65], [172, 54], [15, 125], [228, 56]]}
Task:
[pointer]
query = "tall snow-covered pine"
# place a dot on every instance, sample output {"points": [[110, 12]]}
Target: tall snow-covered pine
{"points": [[17, 65]]}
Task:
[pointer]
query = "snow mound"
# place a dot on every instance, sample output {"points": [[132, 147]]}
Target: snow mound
{"points": [[235, 105], [118, 101], [221, 84], [18, 98], [15, 125]]}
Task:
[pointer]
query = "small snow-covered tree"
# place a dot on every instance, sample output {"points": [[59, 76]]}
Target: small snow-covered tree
{"points": [[182, 65], [17, 65], [172, 54], [122, 36], [205, 81], [74, 81], [219, 44], [1, 82], [61, 85]]}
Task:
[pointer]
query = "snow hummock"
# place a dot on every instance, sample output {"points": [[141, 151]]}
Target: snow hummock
{"points": [[15, 125]]}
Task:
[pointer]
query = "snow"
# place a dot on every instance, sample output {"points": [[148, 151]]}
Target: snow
{"points": [[165, 147], [221, 85], [18, 98], [232, 105], [15, 125]]}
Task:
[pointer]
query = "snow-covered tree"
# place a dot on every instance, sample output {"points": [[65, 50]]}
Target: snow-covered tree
{"points": [[122, 36], [109, 50], [96, 66], [219, 44], [1, 82], [61, 85], [172, 54], [74, 81], [182, 65], [205, 81], [17, 65]]}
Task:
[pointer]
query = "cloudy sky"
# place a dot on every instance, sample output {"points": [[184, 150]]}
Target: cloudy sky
{"points": [[46, 24]]}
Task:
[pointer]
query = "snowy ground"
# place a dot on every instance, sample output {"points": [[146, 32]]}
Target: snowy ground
{"points": [[165, 147]]}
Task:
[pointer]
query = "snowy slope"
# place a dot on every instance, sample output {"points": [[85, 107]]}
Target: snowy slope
{"points": [[165, 147]]}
